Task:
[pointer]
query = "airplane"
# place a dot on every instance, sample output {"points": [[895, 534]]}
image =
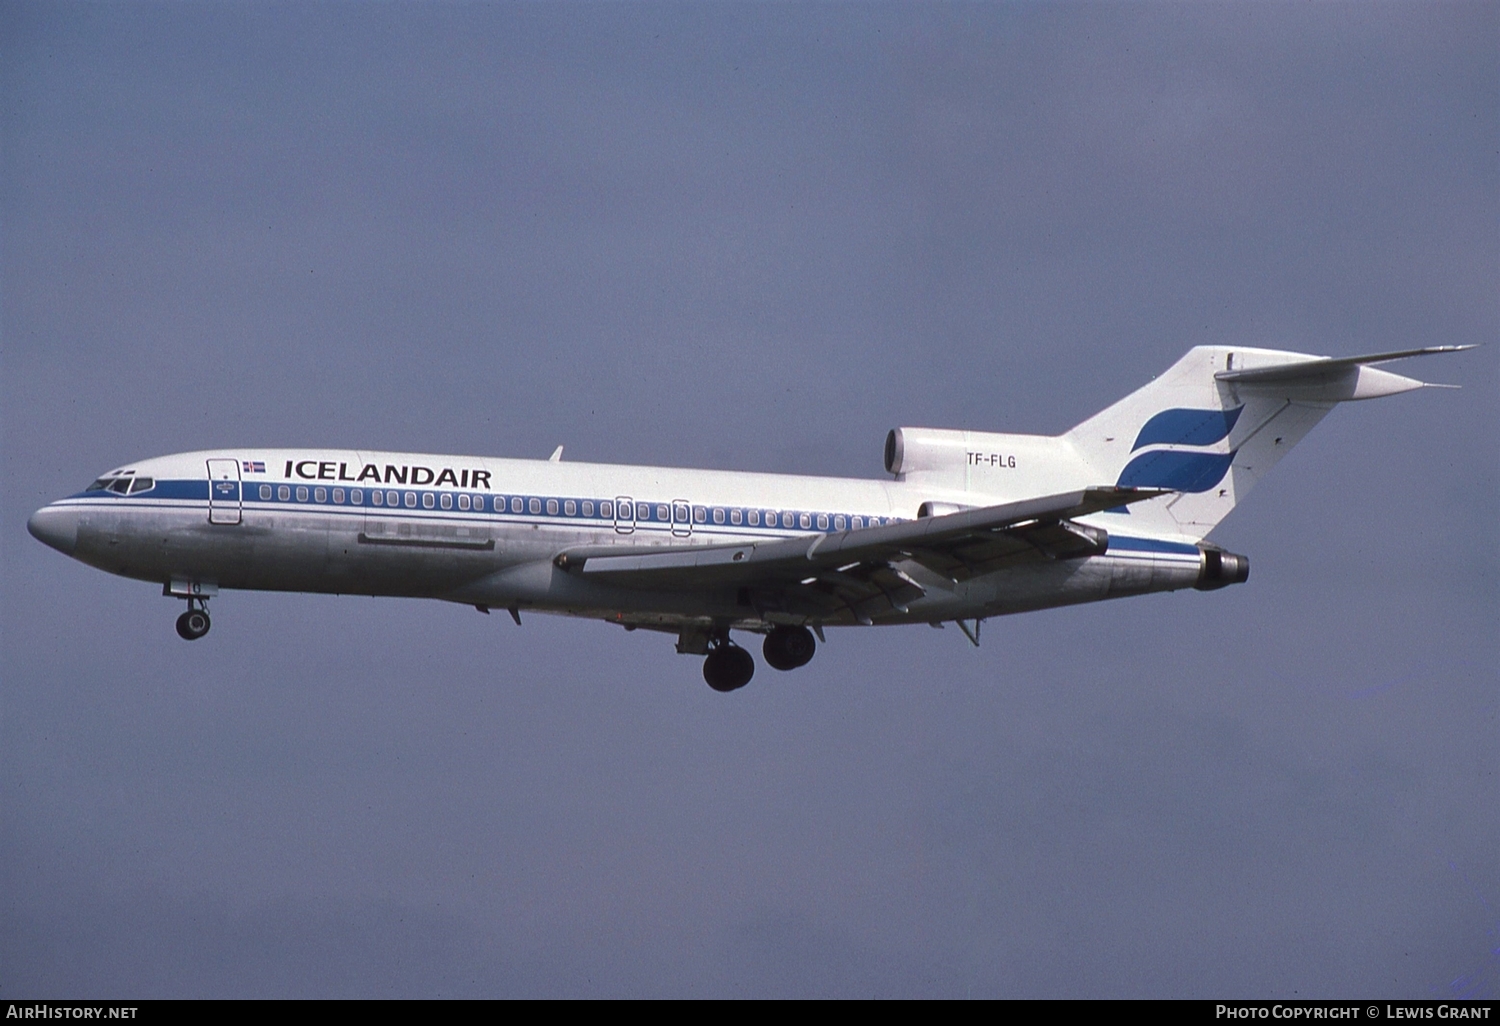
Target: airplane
{"points": [[969, 525]]}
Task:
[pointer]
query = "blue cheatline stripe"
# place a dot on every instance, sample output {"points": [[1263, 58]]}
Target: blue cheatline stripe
{"points": [[507, 508], [181, 489], [1187, 427], [1117, 541], [1123, 545], [1179, 471]]}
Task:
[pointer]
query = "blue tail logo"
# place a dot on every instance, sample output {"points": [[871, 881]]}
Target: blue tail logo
{"points": [[1187, 427], [1181, 471]]}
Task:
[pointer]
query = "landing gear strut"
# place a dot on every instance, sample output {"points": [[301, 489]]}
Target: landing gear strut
{"points": [[728, 667], [195, 623], [787, 648]]}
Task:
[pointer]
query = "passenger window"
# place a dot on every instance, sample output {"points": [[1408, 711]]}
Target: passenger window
{"points": [[642, 511], [302, 493], [446, 501], [662, 514], [535, 505], [755, 518], [700, 515], [858, 522], [411, 500], [357, 496], [321, 494], [570, 507], [718, 515], [588, 508], [735, 516], [606, 509], [283, 493], [838, 522], [393, 498], [428, 501], [377, 497], [517, 505], [338, 496], [822, 521], [265, 493], [805, 520], [463, 502], [552, 507]]}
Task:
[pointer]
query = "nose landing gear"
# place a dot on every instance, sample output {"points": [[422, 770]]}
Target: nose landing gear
{"points": [[195, 623]]}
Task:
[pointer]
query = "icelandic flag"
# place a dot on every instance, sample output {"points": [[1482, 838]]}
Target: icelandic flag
{"points": [[254, 466]]}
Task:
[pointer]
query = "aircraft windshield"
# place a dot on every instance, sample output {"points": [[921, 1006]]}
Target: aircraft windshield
{"points": [[122, 485]]}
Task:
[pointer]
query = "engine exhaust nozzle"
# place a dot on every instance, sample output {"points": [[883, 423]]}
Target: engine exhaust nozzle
{"points": [[1219, 569]]}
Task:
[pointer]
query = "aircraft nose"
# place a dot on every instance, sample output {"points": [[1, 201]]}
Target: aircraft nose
{"points": [[56, 526]]}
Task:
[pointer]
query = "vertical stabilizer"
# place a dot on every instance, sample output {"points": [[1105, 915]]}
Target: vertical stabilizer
{"points": [[1216, 422]]}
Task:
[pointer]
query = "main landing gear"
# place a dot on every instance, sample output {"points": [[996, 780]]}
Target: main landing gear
{"points": [[787, 648], [729, 667], [195, 623]]}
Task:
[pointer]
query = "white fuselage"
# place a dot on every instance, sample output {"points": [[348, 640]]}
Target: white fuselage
{"points": [[486, 531]]}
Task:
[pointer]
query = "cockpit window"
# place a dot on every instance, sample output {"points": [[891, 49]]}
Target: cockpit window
{"points": [[142, 484], [118, 481]]}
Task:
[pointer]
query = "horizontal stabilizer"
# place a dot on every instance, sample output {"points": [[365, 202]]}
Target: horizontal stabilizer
{"points": [[1329, 379]]}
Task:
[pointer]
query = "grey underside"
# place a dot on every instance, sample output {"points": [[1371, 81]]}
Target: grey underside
{"points": [[472, 564]]}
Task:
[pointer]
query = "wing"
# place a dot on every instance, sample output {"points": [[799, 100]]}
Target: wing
{"points": [[856, 571]]}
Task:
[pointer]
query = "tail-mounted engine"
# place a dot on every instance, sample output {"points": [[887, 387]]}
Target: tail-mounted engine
{"points": [[997, 464], [1219, 569], [914, 450]]}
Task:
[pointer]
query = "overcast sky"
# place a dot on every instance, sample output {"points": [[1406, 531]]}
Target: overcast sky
{"points": [[750, 236]]}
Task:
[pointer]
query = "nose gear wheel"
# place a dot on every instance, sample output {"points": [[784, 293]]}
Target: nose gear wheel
{"points": [[193, 624]]}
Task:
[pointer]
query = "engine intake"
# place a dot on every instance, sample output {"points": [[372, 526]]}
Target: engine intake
{"points": [[914, 450], [940, 509], [1219, 569]]}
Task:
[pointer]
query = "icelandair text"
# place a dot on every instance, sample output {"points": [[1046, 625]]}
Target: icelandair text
{"points": [[324, 470]]}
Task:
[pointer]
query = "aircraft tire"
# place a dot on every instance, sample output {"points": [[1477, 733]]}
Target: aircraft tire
{"points": [[787, 648], [193, 624], [728, 668]]}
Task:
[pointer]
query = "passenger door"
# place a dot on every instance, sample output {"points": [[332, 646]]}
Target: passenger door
{"points": [[224, 500]]}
